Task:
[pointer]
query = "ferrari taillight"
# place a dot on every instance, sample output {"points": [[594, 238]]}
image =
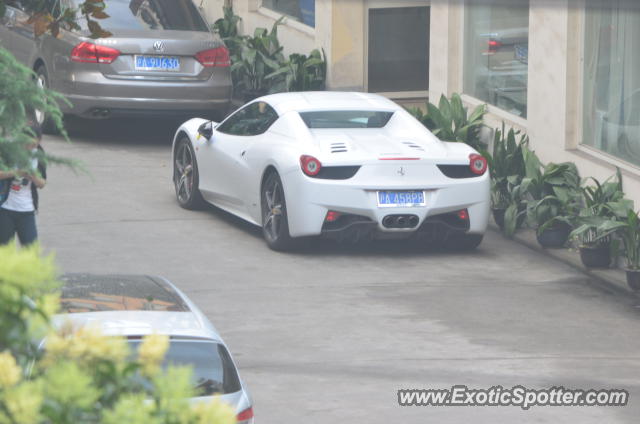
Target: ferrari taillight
{"points": [[310, 165], [477, 164]]}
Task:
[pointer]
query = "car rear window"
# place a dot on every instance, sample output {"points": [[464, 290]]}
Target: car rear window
{"points": [[177, 15], [213, 370], [346, 119]]}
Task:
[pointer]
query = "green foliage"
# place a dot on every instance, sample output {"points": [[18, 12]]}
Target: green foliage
{"points": [[82, 376], [259, 56], [597, 200], [553, 191], [300, 73], [450, 121], [20, 97], [258, 65], [507, 168], [227, 28], [43, 21]]}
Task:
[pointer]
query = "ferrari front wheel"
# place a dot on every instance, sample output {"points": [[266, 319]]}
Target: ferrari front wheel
{"points": [[185, 176], [275, 225]]}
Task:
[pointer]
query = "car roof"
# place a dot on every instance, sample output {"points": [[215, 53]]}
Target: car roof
{"points": [[328, 100], [131, 305]]}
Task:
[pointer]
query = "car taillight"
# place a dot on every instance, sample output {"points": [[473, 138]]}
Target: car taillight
{"points": [[245, 415], [494, 46], [218, 57], [332, 216], [310, 165], [92, 53], [477, 163], [463, 215]]}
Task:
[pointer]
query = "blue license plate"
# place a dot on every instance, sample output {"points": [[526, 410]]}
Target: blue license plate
{"points": [[157, 63], [401, 199]]}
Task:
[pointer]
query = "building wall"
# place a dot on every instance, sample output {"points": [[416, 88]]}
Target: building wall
{"points": [[554, 121]]}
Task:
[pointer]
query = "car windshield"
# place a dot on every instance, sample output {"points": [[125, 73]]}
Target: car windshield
{"points": [[213, 370], [346, 119], [178, 15]]}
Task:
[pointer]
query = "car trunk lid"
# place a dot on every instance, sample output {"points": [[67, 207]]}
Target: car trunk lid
{"points": [[148, 56]]}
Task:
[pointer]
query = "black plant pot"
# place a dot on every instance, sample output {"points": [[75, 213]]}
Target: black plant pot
{"points": [[498, 217], [633, 279], [555, 236], [598, 256]]}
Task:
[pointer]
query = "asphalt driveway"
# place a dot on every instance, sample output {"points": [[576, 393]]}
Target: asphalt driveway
{"points": [[329, 334]]}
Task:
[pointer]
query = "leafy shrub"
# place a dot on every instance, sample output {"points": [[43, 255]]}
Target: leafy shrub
{"points": [[450, 121], [82, 376]]}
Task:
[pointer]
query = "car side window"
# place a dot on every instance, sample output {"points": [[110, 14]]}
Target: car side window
{"points": [[251, 120]]}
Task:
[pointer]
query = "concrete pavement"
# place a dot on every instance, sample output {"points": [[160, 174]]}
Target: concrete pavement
{"points": [[331, 333]]}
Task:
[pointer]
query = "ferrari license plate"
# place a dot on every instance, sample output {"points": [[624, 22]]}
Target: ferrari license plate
{"points": [[401, 199], [157, 63]]}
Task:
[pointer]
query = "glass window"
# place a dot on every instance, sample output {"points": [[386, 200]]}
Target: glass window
{"points": [[301, 10], [346, 119], [213, 370], [177, 15], [398, 49], [253, 119], [612, 79], [497, 52]]}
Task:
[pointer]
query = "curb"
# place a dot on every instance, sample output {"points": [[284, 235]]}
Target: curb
{"points": [[612, 278]]}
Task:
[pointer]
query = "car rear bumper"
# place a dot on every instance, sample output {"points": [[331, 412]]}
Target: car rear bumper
{"points": [[314, 198], [93, 95]]}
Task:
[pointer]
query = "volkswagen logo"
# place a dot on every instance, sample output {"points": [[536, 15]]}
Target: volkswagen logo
{"points": [[401, 171], [158, 46]]}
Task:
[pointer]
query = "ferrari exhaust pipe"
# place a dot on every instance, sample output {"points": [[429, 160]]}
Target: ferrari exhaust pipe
{"points": [[400, 221]]}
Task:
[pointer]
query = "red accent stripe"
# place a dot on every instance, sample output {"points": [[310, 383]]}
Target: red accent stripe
{"points": [[398, 158]]}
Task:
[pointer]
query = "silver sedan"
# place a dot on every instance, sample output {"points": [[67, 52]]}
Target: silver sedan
{"points": [[161, 59]]}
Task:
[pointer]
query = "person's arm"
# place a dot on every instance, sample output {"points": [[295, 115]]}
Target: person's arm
{"points": [[38, 181], [7, 174]]}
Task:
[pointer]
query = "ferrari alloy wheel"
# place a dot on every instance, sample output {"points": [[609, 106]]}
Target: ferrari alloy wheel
{"points": [[275, 225], [185, 176]]}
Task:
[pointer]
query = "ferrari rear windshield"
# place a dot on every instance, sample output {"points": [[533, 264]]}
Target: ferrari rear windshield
{"points": [[346, 118]]}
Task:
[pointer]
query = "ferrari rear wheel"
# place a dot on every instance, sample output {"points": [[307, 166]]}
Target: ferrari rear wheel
{"points": [[185, 176], [275, 224], [463, 242]]}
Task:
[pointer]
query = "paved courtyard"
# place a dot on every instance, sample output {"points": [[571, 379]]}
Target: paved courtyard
{"points": [[330, 333]]}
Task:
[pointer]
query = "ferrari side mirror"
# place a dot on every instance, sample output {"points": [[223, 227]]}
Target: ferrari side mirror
{"points": [[206, 130]]}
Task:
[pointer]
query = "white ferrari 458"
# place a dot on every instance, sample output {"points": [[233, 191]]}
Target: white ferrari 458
{"points": [[340, 165]]}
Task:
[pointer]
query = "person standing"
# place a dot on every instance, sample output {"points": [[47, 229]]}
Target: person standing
{"points": [[17, 212]]}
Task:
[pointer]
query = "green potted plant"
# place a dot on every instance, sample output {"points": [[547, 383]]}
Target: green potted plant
{"points": [[596, 247], [450, 121], [553, 192], [627, 227], [300, 73], [259, 56], [507, 168]]}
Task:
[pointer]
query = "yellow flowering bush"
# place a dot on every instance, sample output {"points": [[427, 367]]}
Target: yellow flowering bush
{"points": [[82, 376]]}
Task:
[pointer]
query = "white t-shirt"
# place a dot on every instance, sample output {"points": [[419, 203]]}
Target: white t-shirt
{"points": [[20, 199]]}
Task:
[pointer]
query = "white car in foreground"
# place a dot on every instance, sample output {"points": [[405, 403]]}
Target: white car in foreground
{"points": [[333, 164]]}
